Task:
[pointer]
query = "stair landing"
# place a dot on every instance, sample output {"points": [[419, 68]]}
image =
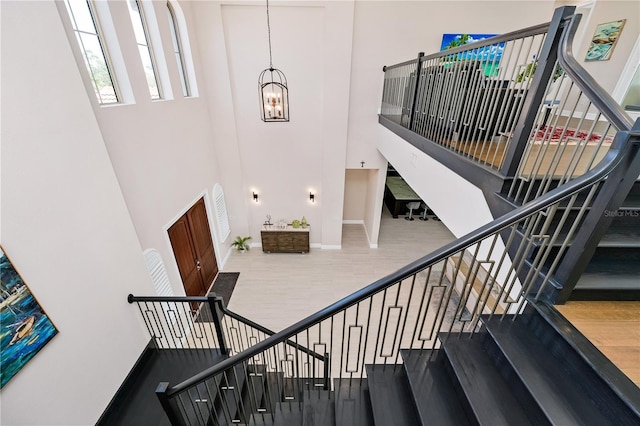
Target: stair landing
{"points": [[612, 327]]}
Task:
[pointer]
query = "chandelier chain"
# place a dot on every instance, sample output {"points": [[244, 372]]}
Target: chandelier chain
{"points": [[269, 34]]}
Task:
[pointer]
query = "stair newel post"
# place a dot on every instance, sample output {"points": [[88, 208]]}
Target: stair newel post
{"points": [[161, 393], [535, 94], [326, 372], [215, 305], [414, 90]]}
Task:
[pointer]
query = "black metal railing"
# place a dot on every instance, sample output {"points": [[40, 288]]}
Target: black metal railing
{"points": [[507, 103], [469, 98], [180, 322], [183, 322], [488, 272], [492, 271]]}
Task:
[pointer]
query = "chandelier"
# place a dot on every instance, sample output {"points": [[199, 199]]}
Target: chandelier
{"points": [[272, 89]]}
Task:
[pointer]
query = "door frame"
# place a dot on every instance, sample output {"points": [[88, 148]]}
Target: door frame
{"points": [[214, 235]]}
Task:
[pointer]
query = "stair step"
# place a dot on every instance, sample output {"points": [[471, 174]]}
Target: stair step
{"points": [[433, 392], [352, 402], [391, 400], [318, 409], [288, 414], [612, 274], [490, 399], [545, 377], [619, 395]]}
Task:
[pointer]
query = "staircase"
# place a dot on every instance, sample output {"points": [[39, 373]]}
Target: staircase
{"points": [[465, 334], [531, 369]]}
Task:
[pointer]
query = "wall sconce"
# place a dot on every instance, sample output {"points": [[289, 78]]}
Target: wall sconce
{"points": [[312, 197], [255, 197]]}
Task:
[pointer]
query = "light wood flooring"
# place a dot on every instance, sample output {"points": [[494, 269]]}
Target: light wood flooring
{"points": [[613, 327], [277, 290]]}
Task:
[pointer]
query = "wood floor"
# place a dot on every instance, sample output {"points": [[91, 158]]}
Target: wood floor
{"points": [[306, 283], [613, 327]]}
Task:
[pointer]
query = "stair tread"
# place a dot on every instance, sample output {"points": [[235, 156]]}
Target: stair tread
{"points": [[489, 396], [555, 392], [433, 392], [288, 413], [612, 271], [391, 402], [621, 236], [352, 403], [318, 409]]}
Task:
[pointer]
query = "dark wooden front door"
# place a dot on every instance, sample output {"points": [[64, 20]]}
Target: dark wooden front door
{"points": [[193, 249]]}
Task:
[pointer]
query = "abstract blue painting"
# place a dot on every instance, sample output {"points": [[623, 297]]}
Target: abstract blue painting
{"points": [[24, 327]]}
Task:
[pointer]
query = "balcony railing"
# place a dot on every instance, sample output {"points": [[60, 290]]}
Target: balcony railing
{"points": [[506, 103]]}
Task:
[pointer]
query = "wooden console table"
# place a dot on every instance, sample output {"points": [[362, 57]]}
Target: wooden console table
{"points": [[288, 240]]}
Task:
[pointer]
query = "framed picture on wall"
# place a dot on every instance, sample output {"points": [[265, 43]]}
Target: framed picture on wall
{"points": [[604, 40], [25, 326], [489, 57]]}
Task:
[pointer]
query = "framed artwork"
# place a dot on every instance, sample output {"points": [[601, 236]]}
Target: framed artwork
{"points": [[25, 328], [604, 41], [489, 56]]}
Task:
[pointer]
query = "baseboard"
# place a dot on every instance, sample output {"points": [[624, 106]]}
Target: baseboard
{"points": [[315, 245], [224, 260], [353, 222], [331, 247]]}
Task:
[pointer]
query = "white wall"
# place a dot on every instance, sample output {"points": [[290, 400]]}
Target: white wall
{"points": [[390, 32], [86, 188], [282, 162], [607, 73], [162, 151], [65, 226], [458, 203], [355, 194]]}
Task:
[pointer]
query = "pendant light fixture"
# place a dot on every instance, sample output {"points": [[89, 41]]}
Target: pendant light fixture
{"points": [[272, 89]]}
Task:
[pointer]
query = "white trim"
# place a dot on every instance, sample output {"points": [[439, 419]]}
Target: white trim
{"points": [[226, 257], [366, 233], [331, 247], [373, 246], [315, 245], [156, 48], [353, 222], [186, 49], [627, 74]]}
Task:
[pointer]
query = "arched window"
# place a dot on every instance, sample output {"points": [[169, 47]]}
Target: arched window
{"points": [[177, 50], [87, 30], [144, 48]]}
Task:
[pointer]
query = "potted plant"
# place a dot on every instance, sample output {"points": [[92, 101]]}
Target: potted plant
{"points": [[241, 244]]}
